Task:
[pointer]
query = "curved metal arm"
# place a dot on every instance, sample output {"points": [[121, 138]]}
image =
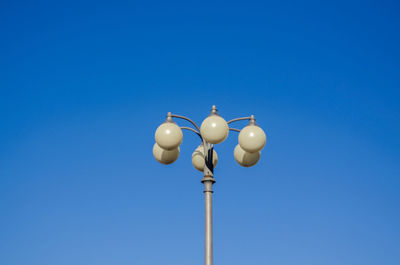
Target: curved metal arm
{"points": [[234, 129], [185, 118], [193, 130], [240, 119]]}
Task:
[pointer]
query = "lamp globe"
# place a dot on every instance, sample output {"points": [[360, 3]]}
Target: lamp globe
{"points": [[198, 158], [165, 156], [168, 136], [252, 138], [214, 129], [244, 158]]}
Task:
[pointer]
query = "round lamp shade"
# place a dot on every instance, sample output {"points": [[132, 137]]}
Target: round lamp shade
{"points": [[165, 156], [168, 136], [198, 158], [244, 158], [252, 138], [214, 129]]}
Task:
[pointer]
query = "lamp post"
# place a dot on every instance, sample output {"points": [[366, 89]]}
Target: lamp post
{"points": [[213, 130]]}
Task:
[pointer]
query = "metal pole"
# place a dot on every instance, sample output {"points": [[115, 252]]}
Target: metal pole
{"points": [[208, 242]]}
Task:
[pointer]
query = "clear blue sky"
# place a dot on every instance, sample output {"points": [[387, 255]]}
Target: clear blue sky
{"points": [[85, 84]]}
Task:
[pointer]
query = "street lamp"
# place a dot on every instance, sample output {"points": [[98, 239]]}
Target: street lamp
{"points": [[213, 130]]}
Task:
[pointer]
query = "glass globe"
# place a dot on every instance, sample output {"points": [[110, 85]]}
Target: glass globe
{"points": [[244, 158], [165, 156], [198, 158], [252, 138], [169, 136], [214, 129]]}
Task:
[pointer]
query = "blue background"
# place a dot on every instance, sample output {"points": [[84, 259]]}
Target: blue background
{"points": [[84, 85]]}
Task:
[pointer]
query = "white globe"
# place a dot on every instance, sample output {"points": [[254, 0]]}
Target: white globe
{"points": [[214, 129], [198, 158], [244, 158], [168, 136], [165, 156], [252, 138]]}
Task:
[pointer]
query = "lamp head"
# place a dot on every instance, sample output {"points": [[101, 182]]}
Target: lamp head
{"points": [[214, 128], [198, 159], [252, 138], [168, 135], [165, 156], [244, 158]]}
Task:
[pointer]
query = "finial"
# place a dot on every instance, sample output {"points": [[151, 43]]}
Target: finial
{"points": [[252, 120], [214, 110], [169, 117]]}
